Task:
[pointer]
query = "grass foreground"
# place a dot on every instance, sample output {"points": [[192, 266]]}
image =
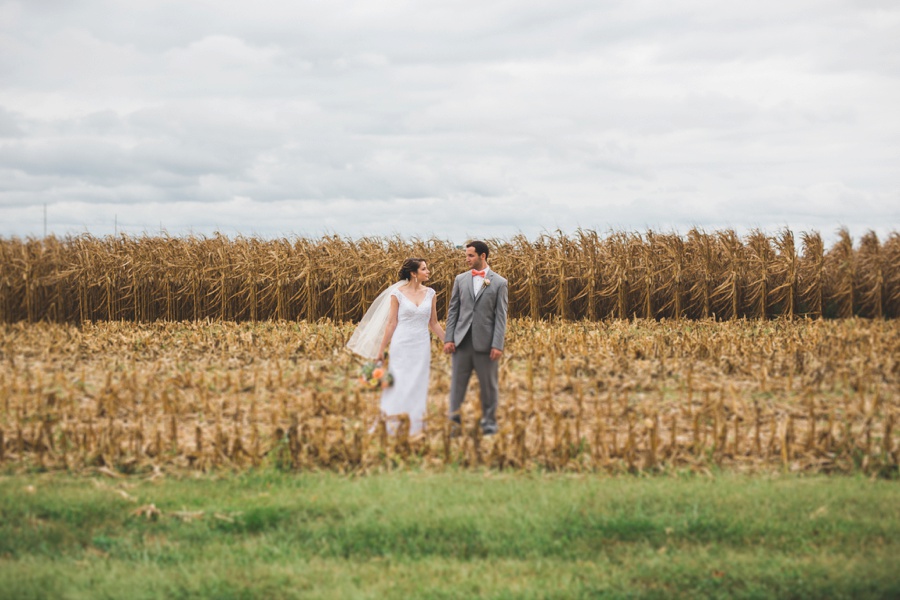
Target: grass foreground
{"points": [[448, 535]]}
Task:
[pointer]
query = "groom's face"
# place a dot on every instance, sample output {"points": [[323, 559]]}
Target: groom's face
{"points": [[473, 260]]}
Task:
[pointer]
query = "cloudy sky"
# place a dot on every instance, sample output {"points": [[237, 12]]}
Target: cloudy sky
{"points": [[454, 119]]}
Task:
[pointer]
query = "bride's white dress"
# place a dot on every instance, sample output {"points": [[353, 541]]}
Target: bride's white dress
{"points": [[410, 362]]}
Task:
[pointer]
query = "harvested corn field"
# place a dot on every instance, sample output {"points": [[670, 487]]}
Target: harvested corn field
{"points": [[619, 396]]}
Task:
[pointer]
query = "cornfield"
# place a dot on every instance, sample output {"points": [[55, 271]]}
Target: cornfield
{"points": [[581, 277], [618, 396]]}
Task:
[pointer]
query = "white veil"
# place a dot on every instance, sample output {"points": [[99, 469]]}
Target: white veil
{"points": [[366, 340]]}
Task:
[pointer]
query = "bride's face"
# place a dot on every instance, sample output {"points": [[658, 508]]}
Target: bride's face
{"points": [[423, 273]]}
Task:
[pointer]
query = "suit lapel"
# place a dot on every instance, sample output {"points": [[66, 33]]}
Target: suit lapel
{"points": [[470, 287]]}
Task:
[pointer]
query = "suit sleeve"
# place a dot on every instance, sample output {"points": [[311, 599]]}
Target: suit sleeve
{"points": [[500, 317], [452, 312]]}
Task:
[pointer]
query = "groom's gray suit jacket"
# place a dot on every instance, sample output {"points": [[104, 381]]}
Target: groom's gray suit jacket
{"points": [[484, 315]]}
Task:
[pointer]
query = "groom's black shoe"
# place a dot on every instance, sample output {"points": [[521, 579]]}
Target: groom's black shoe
{"points": [[455, 427], [488, 428]]}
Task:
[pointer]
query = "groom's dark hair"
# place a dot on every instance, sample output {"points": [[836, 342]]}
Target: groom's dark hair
{"points": [[480, 247]]}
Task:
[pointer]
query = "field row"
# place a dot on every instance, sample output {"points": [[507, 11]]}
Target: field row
{"points": [[622, 396], [586, 276]]}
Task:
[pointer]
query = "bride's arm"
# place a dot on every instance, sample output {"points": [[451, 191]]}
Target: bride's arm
{"points": [[433, 324], [391, 326]]}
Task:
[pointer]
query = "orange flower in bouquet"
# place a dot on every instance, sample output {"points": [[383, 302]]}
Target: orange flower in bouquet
{"points": [[375, 376]]}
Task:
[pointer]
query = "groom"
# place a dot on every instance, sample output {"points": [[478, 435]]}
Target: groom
{"points": [[476, 326]]}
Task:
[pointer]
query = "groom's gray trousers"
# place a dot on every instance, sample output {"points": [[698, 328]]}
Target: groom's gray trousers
{"points": [[464, 361]]}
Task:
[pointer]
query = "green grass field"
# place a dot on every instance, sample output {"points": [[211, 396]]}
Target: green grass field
{"points": [[448, 535]]}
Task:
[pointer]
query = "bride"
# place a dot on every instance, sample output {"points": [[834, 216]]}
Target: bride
{"points": [[401, 316]]}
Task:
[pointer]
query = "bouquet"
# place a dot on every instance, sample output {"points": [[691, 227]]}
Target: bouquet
{"points": [[375, 376]]}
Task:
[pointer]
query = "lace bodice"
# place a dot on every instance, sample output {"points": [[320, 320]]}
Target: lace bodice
{"points": [[412, 317]]}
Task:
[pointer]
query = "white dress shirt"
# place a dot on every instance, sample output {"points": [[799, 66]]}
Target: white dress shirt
{"points": [[478, 282]]}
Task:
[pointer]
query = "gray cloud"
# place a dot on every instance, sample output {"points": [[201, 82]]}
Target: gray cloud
{"points": [[403, 117]]}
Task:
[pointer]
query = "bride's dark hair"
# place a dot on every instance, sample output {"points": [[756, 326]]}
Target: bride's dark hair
{"points": [[410, 266]]}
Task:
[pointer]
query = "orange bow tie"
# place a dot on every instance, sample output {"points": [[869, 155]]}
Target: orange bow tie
{"points": [[477, 273]]}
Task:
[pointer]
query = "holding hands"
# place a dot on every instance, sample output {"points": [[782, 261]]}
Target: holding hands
{"points": [[450, 348]]}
